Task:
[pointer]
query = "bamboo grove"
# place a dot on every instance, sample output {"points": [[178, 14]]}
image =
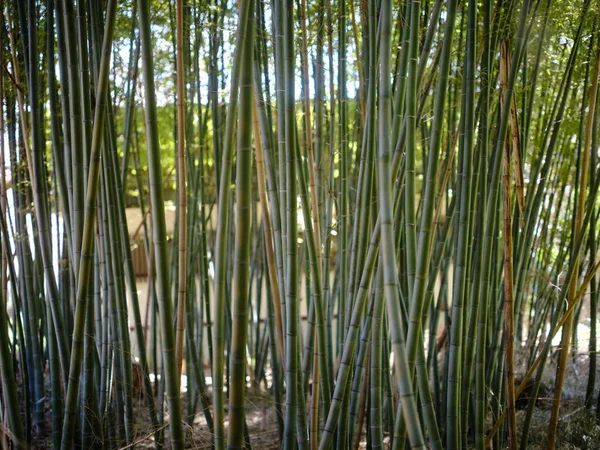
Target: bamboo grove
{"points": [[385, 217]]}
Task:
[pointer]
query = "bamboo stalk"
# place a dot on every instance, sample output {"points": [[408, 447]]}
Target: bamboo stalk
{"points": [[182, 190], [509, 313], [241, 273]]}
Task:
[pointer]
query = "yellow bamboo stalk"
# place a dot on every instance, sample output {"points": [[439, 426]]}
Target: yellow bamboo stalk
{"points": [[268, 230], [182, 255]]}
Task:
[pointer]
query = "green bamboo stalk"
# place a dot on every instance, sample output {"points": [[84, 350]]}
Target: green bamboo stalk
{"points": [[84, 79], [55, 385], [91, 429], [292, 372], [66, 114], [482, 313], [129, 108], [243, 226], [278, 32], [342, 208], [9, 384], [375, 376], [401, 78], [327, 225], [411, 145], [201, 198]]}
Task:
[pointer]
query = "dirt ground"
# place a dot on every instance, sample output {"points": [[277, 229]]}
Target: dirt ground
{"points": [[577, 429]]}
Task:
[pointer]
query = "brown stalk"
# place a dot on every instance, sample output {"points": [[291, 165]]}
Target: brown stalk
{"points": [[509, 326], [182, 252]]}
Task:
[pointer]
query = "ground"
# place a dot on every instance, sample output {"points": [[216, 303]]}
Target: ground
{"points": [[577, 429]]}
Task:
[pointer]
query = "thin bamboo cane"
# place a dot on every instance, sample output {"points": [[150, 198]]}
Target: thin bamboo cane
{"points": [[594, 292], [482, 314], [158, 216], [9, 385], [182, 191], [292, 376]]}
